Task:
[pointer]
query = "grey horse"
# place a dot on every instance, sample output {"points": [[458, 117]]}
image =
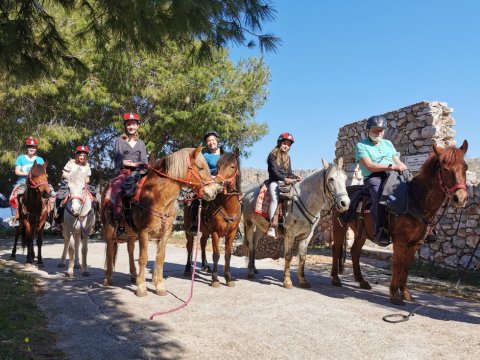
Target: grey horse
{"points": [[318, 192]]}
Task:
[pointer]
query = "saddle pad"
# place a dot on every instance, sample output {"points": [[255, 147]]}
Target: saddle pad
{"points": [[262, 204], [13, 197], [136, 198]]}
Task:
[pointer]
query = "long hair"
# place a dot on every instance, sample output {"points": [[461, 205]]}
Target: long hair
{"points": [[282, 158]]}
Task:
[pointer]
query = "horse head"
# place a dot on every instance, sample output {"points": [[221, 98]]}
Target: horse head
{"points": [[451, 171], [38, 179], [228, 172], [335, 181], [78, 193], [206, 188]]}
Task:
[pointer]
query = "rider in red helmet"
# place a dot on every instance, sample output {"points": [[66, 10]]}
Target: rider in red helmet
{"points": [[80, 161], [279, 170], [130, 156]]}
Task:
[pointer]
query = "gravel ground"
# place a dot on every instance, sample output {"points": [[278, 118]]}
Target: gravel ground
{"points": [[257, 319]]}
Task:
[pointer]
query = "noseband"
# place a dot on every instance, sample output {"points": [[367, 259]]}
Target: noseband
{"points": [[448, 190]]}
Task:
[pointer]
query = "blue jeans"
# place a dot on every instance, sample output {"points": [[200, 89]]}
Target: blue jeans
{"points": [[374, 184]]}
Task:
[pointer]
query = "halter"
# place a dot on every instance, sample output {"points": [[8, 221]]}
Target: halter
{"points": [[229, 180], [448, 191], [330, 194], [196, 186], [32, 184]]}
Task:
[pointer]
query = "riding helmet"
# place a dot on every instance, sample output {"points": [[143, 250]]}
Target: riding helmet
{"points": [[131, 116], [210, 133], [285, 136], [81, 149], [31, 141], [377, 121]]}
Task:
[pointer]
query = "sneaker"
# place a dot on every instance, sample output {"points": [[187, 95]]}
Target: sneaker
{"points": [[121, 234], [382, 238], [271, 233]]}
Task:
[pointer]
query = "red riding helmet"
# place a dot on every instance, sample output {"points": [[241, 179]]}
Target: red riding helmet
{"points": [[31, 141], [81, 149], [285, 136], [131, 116]]}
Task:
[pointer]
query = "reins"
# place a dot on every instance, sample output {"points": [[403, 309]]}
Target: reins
{"points": [[197, 242]]}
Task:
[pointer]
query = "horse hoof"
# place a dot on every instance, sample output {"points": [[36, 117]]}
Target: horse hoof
{"points": [[365, 285], [187, 273], [12, 257], [288, 285], [76, 266], [215, 284], [141, 293], [69, 275], [336, 282], [85, 273], [397, 301], [251, 276], [255, 271], [60, 265], [106, 283], [305, 285], [231, 283], [40, 265], [29, 265], [161, 292], [206, 269], [408, 297]]}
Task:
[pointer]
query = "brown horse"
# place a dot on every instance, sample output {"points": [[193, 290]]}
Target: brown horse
{"points": [[153, 214], [220, 218], [442, 177], [33, 211]]}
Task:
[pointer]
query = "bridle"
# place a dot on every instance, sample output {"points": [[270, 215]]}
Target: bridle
{"points": [[330, 193], [197, 186], [225, 182], [448, 190]]}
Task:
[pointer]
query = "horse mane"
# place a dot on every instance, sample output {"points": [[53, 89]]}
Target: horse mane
{"points": [[450, 156], [175, 164], [227, 158], [36, 170]]}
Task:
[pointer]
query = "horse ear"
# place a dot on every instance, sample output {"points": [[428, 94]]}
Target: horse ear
{"points": [[198, 150], [151, 159], [236, 152], [45, 164], [325, 164], [464, 146], [340, 162], [437, 149]]}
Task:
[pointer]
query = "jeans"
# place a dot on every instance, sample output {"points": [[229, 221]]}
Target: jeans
{"points": [[273, 190], [374, 184]]}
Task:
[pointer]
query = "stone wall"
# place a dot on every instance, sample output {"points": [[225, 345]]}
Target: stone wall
{"points": [[412, 130]]}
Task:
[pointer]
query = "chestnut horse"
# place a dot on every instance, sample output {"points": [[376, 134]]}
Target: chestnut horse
{"points": [[442, 177], [318, 192], [219, 218], [33, 211], [153, 214]]}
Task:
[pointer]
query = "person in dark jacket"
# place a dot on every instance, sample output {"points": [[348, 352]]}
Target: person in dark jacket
{"points": [[130, 155], [279, 169]]}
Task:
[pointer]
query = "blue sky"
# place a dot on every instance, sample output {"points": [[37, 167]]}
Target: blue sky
{"points": [[343, 61]]}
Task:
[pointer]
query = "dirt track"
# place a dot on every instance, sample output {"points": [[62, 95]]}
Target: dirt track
{"points": [[257, 319]]}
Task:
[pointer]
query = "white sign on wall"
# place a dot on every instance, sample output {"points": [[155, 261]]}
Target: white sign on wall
{"points": [[415, 162]]}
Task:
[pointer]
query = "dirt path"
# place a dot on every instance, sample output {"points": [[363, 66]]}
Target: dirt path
{"points": [[257, 319]]}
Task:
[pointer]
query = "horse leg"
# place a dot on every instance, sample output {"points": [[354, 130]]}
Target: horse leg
{"points": [[216, 256], [77, 251], [131, 259], [228, 255], [248, 242], [203, 243], [399, 250], [188, 265], [39, 246], [337, 250], [18, 230], [29, 242], [407, 262], [110, 254], [356, 251], [302, 256], [158, 279], [71, 255], [61, 264], [142, 263], [84, 255], [288, 244]]}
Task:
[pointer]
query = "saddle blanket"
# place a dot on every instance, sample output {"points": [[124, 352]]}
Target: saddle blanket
{"points": [[13, 197], [262, 204]]}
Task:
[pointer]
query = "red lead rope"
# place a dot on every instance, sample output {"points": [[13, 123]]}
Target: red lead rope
{"points": [[197, 241]]}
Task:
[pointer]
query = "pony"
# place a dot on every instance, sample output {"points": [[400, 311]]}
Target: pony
{"points": [[78, 222], [33, 211], [220, 218], [153, 213], [442, 177], [320, 191]]}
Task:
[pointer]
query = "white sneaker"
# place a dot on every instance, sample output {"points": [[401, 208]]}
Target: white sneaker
{"points": [[271, 233]]}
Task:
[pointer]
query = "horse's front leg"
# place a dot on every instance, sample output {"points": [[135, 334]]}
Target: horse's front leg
{"points": [[339, 234], [288, 244], [39, 245], [216, 256], [399, 250], [142, 263], [158, 279], [61, 264], [302, 256], [229, 237], [110, 255], [71, 255], [77, 237], [402, 281], [188, 265], [18, 231], [356, 251], [203, 244], [84, 255], [29, 241], [131, 259]]}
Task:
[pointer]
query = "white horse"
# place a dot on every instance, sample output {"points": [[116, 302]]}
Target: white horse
{"points": [[319, 191], [78, 222]]}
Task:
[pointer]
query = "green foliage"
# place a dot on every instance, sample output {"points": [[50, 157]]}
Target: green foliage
{"points": [[178, 100], [32, 43]]}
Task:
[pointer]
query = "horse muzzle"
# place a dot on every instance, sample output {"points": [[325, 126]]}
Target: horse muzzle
{"points": [[342, 203], [459, 198], [208, 192]]}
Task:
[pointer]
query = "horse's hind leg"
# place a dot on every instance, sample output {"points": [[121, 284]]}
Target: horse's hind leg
{"points": [[203, 243], [337, 249], [302, 256], [188, 265], [18, 230], [228, 255], [216, 256], [288, 244]]}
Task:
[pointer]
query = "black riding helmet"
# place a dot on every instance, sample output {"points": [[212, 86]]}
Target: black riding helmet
{"points": [[210, 133], [377, 121]]}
